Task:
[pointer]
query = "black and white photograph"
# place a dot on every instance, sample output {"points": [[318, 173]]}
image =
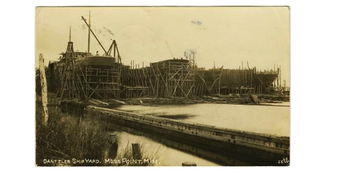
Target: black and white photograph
{"points": [[162, 86]]}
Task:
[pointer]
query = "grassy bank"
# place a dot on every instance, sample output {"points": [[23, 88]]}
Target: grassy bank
{"points": [[65, 138], [69, 141]]}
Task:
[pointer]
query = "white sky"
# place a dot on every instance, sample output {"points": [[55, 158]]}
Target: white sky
{"points": [[226, 35]]}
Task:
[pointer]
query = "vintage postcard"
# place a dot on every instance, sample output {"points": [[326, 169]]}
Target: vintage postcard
{"points": [[162, 86]]}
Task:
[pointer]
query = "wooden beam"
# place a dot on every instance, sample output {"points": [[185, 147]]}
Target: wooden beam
{"points": [[43, 89], [94, 35]]}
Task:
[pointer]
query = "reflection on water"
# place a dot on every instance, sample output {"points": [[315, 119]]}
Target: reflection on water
{"points": [[176, 116], [261, 119], [167, 156], [284, 104]]}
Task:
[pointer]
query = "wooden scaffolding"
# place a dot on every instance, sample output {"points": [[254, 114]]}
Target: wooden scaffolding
{"points": [[266, 80], [233, 81], [81, 75], [135, 81], [172, 78]]}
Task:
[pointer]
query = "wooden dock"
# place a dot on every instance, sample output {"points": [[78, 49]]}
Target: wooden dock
{"points": [[263, 148]]}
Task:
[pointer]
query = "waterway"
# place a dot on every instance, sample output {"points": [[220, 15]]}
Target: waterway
{"points": [[273, 120], [165, 152]]}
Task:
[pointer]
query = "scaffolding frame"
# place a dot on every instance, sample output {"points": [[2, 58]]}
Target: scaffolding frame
{"points": [[173, 78]]}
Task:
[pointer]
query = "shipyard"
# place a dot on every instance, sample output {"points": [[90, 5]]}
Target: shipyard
{"points": [[170, 110]]}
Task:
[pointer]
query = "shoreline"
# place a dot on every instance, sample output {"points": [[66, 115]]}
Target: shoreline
{"points": [[258, 100]]}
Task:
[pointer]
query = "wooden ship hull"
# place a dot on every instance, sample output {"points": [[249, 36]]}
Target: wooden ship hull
{"points": [[84, 76]]}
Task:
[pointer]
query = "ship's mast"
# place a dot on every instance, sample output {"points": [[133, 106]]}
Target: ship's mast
{"points": [[70, 48], [113, 45], [89, 32], [94, 35], [70, 35]]}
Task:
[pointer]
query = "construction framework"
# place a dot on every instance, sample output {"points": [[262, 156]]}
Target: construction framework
{"points": [[173, 77], [235, 81], [83, 76], [135, 81], [79, 75]]}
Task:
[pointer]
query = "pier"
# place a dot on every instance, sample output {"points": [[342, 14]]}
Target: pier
{"points": [[262, 148]]}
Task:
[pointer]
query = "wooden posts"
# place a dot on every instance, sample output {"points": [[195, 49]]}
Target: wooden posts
{"points": [[113, 150], [280, 75], [189, 164], [174, 77], [136, 151], [220, 82], [178, 78], [43, 89], [278, 80]]}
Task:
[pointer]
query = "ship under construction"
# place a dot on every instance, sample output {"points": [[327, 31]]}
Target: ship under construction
{"points": [[84, 76]]}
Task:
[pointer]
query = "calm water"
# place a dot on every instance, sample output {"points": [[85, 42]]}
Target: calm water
{"points": [[166, 155], [261, 119]]}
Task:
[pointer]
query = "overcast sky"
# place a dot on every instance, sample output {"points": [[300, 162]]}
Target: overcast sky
{"points": [[226, 35]]}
